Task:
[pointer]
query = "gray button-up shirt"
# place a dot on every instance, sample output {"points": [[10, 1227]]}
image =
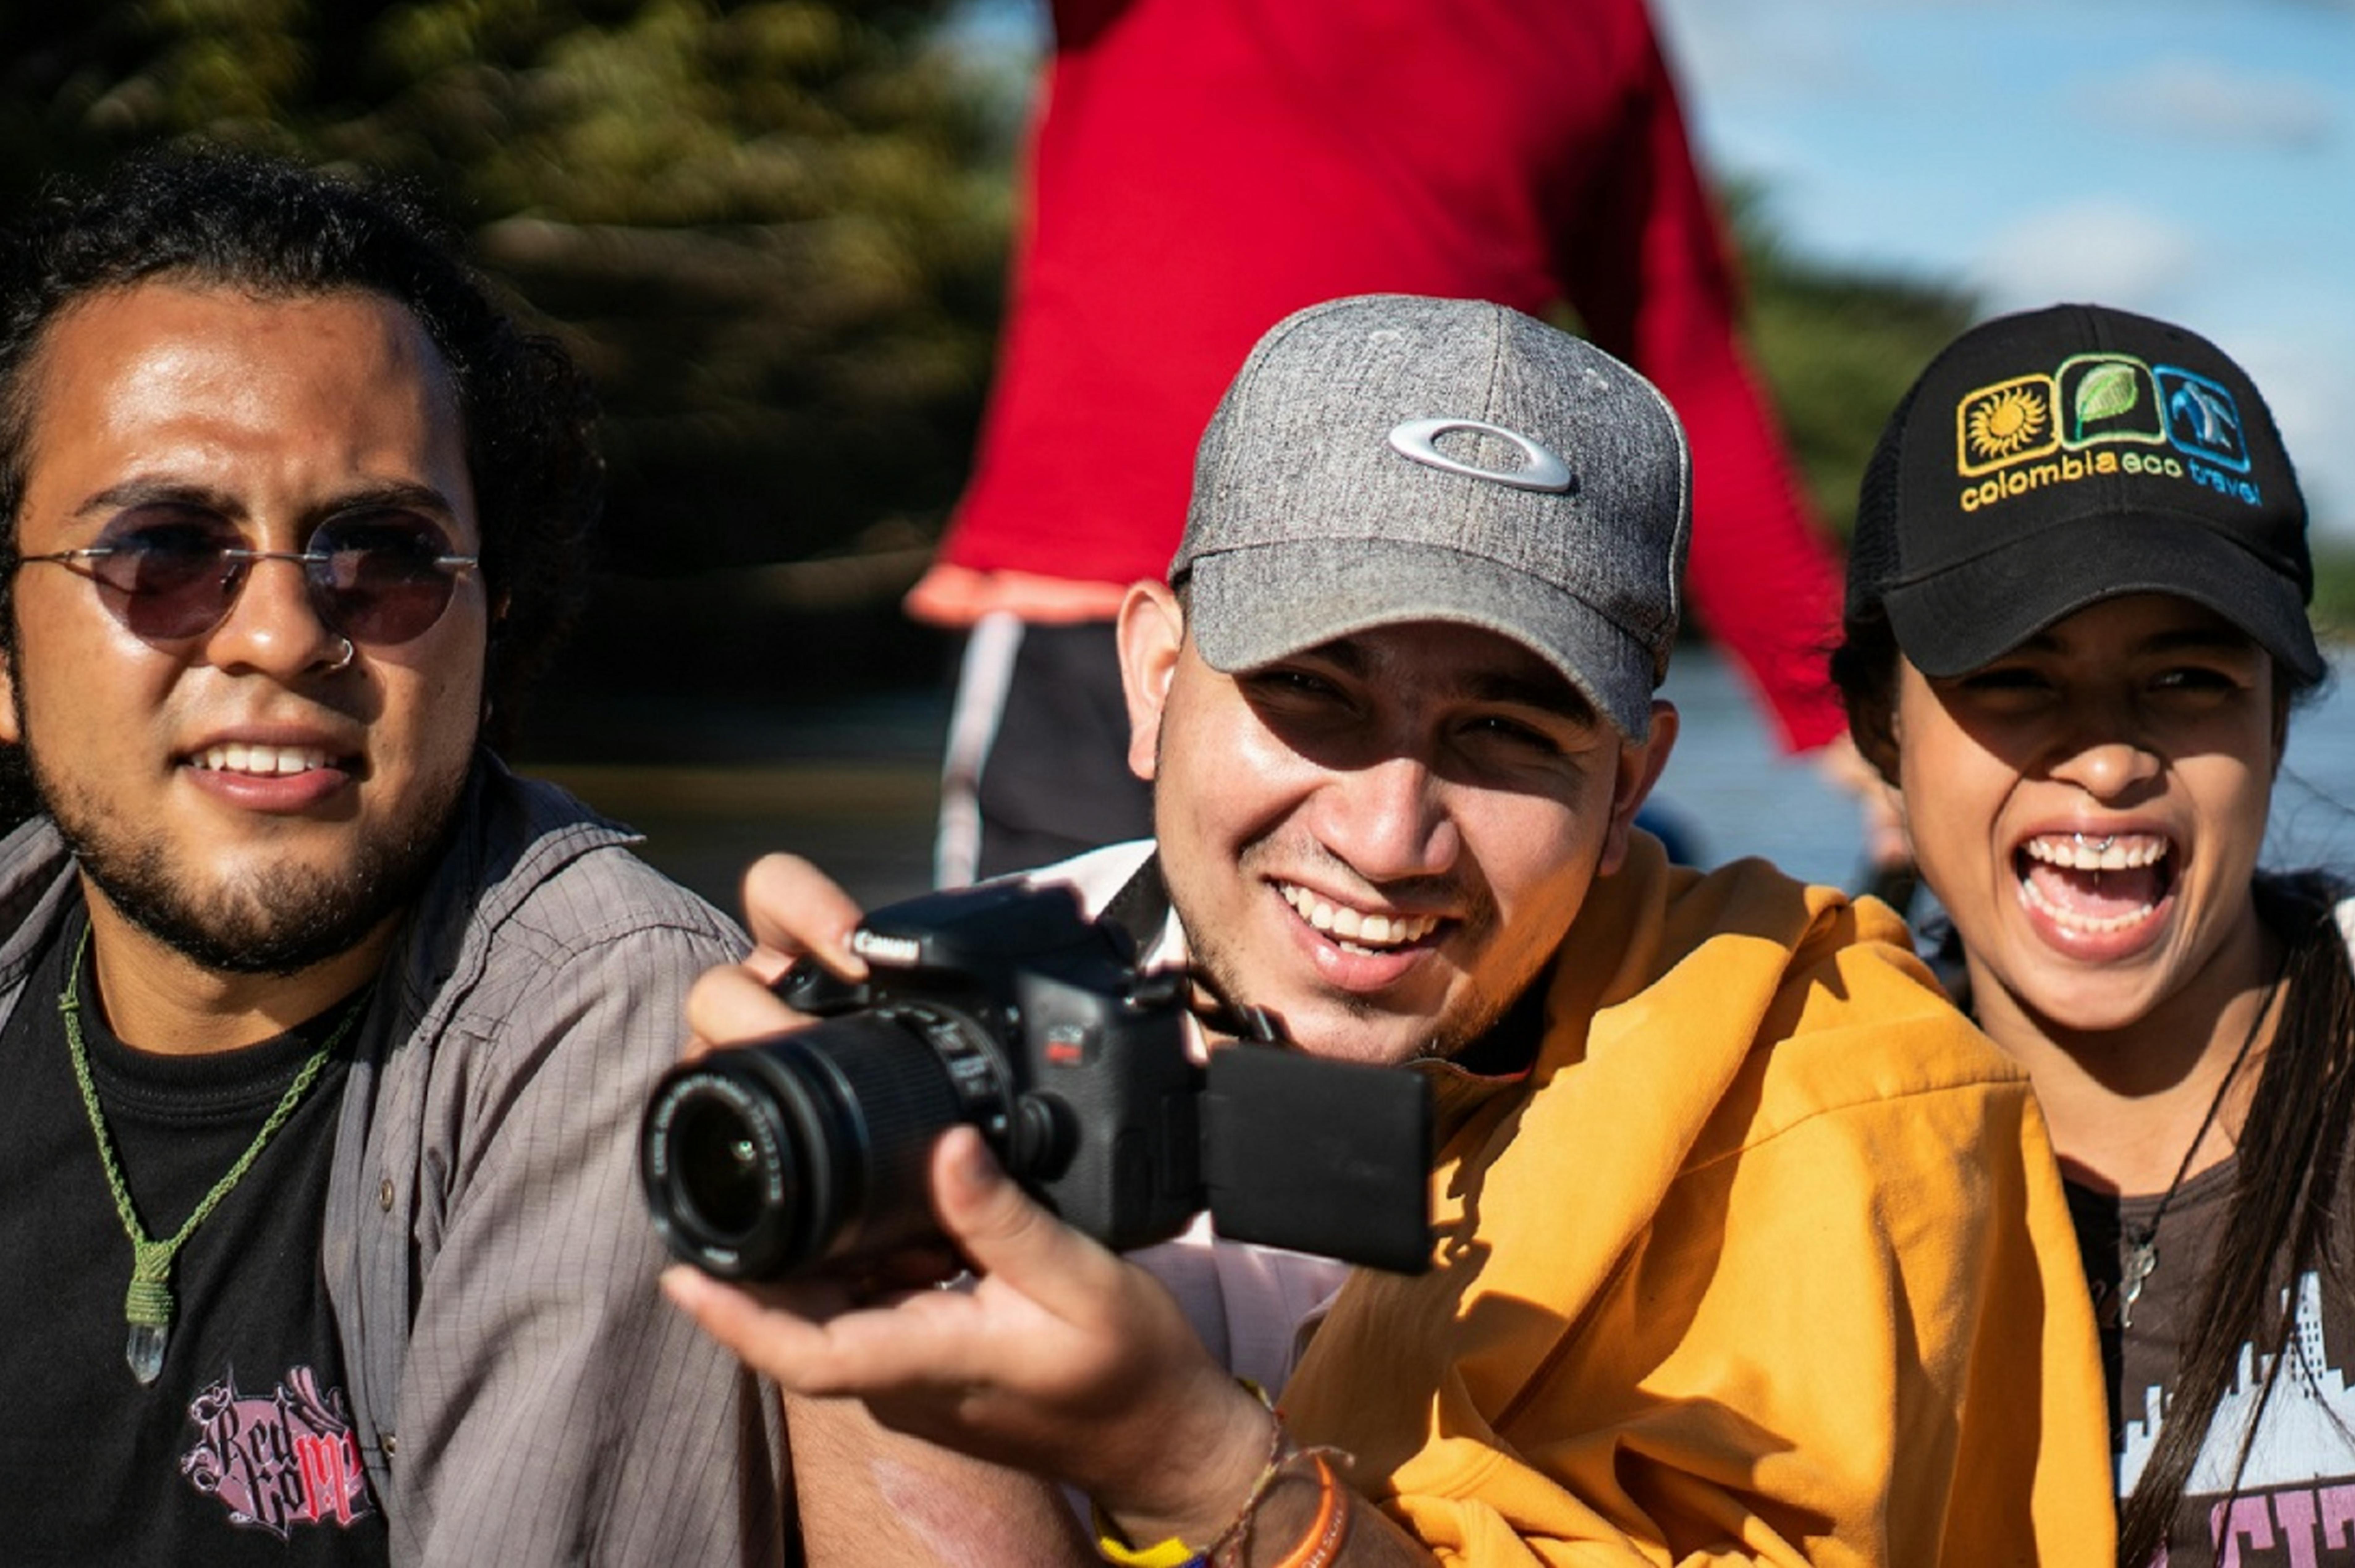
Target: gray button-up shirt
{"points": [[522, 1392]]}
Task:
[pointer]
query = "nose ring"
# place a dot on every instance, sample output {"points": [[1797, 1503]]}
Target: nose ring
{"points": [[343, 660]]}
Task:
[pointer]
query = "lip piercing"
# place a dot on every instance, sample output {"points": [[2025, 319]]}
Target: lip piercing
{"points": [[2083, 843], [343, 660]]}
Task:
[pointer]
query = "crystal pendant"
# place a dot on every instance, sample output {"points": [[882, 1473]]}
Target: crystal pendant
{"points": [[147, 1306], [2142, 1257], [144, 1350]]}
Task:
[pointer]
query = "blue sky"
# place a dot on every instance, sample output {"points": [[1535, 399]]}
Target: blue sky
{"points": [[2193, 161]]}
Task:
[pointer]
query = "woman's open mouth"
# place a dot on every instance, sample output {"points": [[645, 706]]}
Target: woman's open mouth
{"points": [[2096, 885]]}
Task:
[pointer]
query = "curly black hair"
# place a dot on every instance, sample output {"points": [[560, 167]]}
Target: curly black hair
{"points": [[216, 217]]}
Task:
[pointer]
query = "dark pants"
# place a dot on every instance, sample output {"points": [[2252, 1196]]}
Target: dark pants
{"points": [[1038, 752]]}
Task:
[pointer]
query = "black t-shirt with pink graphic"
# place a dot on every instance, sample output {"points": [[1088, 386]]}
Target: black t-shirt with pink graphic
{"points": [[241, 1450]]}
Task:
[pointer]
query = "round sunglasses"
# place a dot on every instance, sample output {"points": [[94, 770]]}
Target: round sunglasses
{"points": [[374, 577]]}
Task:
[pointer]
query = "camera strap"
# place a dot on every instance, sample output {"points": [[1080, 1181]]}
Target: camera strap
{"points": [[1140, 912]]}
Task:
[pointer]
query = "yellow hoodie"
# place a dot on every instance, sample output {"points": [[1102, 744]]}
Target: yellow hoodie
{"points": [[1765, 1261]]}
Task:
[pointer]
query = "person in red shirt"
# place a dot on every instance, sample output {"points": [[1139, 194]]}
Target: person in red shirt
{"points": [[1199, 169]]}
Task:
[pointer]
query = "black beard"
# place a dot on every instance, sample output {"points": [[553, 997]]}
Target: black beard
{"points": [[273, 922]]}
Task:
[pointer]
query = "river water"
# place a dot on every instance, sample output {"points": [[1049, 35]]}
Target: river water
{"points": [[1741, 796], [853, 787]]}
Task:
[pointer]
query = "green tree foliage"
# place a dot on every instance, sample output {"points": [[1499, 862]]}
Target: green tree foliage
{"points": [[2334, 589], [1838, 348], [774, 232]]}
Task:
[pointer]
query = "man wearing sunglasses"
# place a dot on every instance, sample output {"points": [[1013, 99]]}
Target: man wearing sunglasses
{"points": [[325, 1035]]}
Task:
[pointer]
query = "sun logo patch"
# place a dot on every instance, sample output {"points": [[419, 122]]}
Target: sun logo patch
{"points": [[2005, 423]]}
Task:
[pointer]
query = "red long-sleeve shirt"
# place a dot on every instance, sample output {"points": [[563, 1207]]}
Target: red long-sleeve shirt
{"points": [[1201, 168]]}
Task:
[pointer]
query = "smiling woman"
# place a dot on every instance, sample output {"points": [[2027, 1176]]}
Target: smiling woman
{"points": [[2082, 691], [2090, 806]]}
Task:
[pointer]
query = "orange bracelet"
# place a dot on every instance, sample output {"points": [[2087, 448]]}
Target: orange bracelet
{"points": [[1322, 1542], [1331, 1526]]}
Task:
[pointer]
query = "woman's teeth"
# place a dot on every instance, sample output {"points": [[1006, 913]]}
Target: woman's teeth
{"points": [[2029, 894], [1354, 928], [2115, 853], [2094, 885]]}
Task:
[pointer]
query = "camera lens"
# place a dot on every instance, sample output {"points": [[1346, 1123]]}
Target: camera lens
{"points": [[723, 1175], [808, 1147], [720, 1165]]}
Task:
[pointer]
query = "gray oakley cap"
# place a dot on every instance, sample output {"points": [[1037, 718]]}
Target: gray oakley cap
{"points": [[1390, 458]]}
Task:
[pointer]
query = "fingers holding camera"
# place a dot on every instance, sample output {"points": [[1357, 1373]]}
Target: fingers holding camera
{"points": [[1090, 1372], [732, 1004], [828, 1334], [1061, 1359], [1007, 1237], [793, 909]]}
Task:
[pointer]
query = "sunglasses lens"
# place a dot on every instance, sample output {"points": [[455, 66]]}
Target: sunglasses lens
{"points": [[166, 581], [379, 577], [374, 577]]}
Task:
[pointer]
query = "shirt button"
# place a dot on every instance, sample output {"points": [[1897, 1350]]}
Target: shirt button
{"points": [[391, 1445], [384, 1195]]}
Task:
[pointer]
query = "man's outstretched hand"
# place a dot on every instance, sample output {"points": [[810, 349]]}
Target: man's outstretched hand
{"points": [[1060, 1357], [1055, 1357]]}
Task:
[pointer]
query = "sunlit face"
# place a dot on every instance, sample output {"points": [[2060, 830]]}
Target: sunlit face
{"points": [[1383, 839], [2089, 809], [235, 793]]}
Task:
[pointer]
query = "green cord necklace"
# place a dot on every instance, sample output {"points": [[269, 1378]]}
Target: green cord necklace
{"points": [[147, 1308]]}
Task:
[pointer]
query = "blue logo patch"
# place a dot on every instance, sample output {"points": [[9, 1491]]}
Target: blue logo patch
{"points": [[2202, 420]]}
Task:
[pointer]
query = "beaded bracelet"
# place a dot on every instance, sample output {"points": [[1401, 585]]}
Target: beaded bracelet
{"points": [[1175, 1553], [1317, 1548]]}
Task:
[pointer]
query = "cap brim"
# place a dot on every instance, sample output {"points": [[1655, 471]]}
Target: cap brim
{"points": [[1969, 615], [1252, 606]]}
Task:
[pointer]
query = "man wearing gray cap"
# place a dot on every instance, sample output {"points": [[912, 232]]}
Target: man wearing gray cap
{"points": [[1747, 1247]]}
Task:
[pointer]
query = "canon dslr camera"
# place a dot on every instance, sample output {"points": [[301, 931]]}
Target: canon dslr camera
{"points": [[1004, 1008]]}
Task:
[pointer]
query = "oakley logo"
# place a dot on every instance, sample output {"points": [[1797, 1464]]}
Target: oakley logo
{"points": [[1540, 470]]}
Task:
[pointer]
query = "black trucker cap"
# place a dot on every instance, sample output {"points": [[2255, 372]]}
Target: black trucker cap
{"points": [[2053, 459]]}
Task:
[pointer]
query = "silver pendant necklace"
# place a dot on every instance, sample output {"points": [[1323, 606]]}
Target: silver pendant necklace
{"points": [[2141, 1257]]}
